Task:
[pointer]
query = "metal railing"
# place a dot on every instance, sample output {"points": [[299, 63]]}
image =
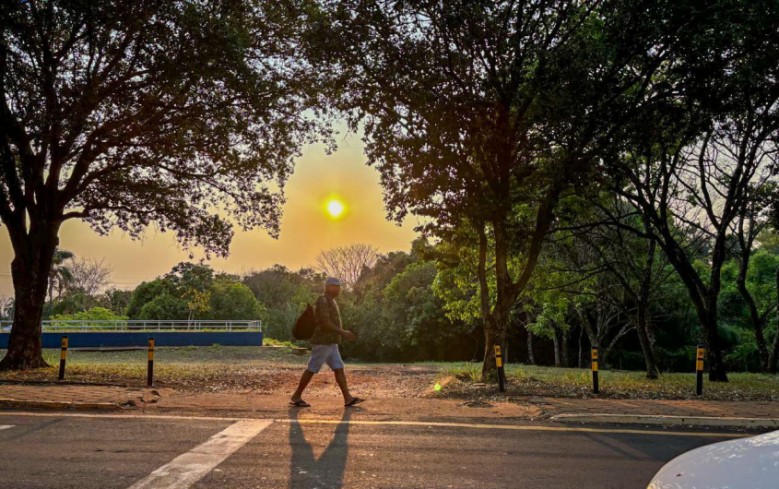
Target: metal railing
{"points": [[87, 325]]}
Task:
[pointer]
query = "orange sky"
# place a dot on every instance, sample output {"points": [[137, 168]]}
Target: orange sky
{"points": [[305, 227]]}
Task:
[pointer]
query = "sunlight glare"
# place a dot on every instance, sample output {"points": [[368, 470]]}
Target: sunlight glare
{"points": [[335, 208]]}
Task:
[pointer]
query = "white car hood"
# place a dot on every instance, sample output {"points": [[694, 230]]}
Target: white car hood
{"points": [[747, 463]]}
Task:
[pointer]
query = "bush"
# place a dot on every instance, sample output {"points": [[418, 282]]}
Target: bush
{"points": [[164, 307], [233, 300], [93, 314]]}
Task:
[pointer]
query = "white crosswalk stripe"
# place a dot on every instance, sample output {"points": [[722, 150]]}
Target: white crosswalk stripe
{"points": [[188, 468]]}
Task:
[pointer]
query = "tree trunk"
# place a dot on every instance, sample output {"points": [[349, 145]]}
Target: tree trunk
{"points": [[508, 290], [531, 358], [30, 270], [488, 366], [580, 361], [773, 358], [704, 297], [642, 329], [492, 337], [705, 300], [564, 358], [645, 337], [754, 315], [500, 311], [24, 343], [51, 290], [556, 344], [494, 318], [717, 372], [707, 315], [652, 372]]}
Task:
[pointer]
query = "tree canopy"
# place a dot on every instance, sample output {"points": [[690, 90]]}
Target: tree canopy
{"points": [[483, 114], [125, 114]]}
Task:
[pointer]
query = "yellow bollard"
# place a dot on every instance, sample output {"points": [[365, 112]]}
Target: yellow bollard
{"points": [[63, 356], [699, 354], [150, 366], [501, 372]]}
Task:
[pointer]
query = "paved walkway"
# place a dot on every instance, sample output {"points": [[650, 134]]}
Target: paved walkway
{"points": [[39, 394], [253, 404]]}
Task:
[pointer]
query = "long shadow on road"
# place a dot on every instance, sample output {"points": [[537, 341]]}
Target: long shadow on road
{"points": [[327, 471]]}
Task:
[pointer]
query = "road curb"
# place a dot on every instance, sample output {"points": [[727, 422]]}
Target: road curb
{"points": [[667, 420], [56, 405], [63, 382]]}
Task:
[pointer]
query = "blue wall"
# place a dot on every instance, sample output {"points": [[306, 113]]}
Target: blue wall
{"points": [[166, 338]]}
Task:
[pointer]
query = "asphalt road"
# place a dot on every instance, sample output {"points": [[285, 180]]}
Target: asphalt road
{"points": [[77, 451]]}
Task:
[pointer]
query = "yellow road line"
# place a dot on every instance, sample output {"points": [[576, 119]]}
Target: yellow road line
{"points": [[510, 427], [55, 414], [432, 424]]}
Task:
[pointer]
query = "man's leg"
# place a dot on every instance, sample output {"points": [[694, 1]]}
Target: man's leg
{"points": [[335, 362], [340, 377], [318, 356], [304, 380]]}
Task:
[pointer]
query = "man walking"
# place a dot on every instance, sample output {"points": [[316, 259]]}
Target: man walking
{"points": [[324, 345]]}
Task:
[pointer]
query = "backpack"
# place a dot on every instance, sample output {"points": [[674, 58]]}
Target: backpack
{"points": [[305, 324]]}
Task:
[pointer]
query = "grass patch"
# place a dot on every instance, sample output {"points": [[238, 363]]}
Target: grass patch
{"points": [[469, 371], [219, 368], [200, 368], [274, 342], [569, 382]]}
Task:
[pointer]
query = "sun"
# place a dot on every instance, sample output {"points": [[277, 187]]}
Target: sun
{"points": [[335, 208]]}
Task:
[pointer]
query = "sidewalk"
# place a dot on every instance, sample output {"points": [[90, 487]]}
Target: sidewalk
{"points": [[56, 396], [747, 409], [732, 414], [252, 404]]}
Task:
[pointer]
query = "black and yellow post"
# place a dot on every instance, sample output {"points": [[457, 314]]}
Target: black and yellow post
{"points": [[501, 372], [595, 387], [63, 356], [699, 355], [150, 368]]}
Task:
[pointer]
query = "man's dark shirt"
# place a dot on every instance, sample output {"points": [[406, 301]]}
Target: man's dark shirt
{"points": [[326, 311]]}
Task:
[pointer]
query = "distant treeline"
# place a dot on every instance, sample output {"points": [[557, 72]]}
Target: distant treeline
{"points": [[423, 305]]}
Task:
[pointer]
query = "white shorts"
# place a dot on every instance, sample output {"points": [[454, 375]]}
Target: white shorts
{"points": [[324, 354]]}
